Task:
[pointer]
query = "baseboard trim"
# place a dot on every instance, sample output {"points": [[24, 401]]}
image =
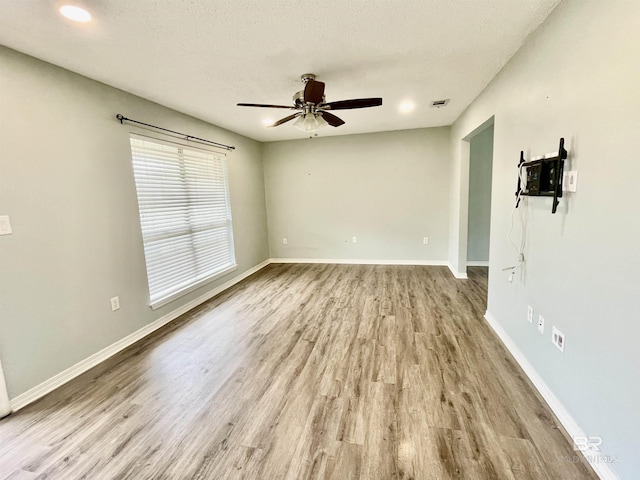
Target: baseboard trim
{"points": [[69, 374], [359, 261], [603, 470], [456, 273], [477, 263]]}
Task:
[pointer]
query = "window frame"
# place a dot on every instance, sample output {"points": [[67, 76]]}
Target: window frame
{"points": [[197, 283]]}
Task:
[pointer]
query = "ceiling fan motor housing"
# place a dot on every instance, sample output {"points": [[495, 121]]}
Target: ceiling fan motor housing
{"points": [[298, 99], [305, 77]]}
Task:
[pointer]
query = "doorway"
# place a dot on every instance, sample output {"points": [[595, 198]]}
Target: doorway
{"points": [[474, 222], [479, 204], [479, 208]]}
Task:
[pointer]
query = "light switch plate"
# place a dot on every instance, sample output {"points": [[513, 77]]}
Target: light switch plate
{"points": [[115, 304], [5, 225], [570, 181]]}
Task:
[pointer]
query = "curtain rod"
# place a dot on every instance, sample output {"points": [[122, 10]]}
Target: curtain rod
{"points": [[123, 119]]}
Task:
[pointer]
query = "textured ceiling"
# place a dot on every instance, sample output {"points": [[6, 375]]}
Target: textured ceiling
{"points": [[202, 57]]}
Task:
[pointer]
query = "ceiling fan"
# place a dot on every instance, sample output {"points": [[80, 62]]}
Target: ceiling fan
{"points": [[314, 108]]}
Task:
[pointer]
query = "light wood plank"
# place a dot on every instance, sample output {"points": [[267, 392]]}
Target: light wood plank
{"points": [[342, 372]]}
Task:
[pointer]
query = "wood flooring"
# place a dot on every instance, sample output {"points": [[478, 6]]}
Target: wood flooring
{"points": [[302, 372]]}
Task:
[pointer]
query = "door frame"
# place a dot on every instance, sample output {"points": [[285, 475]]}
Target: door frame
{"points": [[460, 260], [5, 405]]}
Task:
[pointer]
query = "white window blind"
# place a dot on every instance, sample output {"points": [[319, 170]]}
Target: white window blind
{"points": [[185, 215]]}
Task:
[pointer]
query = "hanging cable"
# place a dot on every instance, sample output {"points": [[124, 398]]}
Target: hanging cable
{"points": [[519, 249], [123, 119]]}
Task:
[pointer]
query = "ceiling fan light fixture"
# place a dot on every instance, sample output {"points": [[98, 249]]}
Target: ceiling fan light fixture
{"points": [[310, 122], [321, 121], [299, 123]]}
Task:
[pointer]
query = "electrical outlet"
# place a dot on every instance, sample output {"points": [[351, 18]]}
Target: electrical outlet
{"points": [[285, 241], [354, 239], [557, 338], [540, 324], [115, 304], [425, 241], [530, 314]]}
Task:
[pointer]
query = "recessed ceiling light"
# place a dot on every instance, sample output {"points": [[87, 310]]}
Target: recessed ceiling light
{"points": [[267, 122], [74, 13], [407, 106]]}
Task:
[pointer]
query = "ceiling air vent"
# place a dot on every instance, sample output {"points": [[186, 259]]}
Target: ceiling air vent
{"points": [[439, 103]]}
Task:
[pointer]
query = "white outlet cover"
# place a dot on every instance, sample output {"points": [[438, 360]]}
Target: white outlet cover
{"points": [[540, 324], [425, 241], [354, 239], [285, 241], [558, 339], [530, 314]]}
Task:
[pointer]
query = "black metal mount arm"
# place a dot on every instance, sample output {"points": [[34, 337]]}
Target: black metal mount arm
{"points": [[544, 177]]}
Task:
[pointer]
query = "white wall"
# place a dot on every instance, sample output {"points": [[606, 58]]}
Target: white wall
{"points": [[480, 169], [67, 183], [389, 189], [576, 77]]}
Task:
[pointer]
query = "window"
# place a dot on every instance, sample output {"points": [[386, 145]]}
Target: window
{"points": [[185, 215]]}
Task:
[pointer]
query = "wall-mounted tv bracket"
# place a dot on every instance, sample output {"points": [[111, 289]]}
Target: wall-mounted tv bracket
{"points": [[543, 176]]}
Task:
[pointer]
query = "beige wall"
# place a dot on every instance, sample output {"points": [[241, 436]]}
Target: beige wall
{"points": [[66, 181], [388, 189]]}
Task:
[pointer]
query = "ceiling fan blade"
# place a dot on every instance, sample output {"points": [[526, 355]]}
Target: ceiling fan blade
{"points": [[355, 103], [332, 119], [285, 119], [264, 106], [313, 91]]}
